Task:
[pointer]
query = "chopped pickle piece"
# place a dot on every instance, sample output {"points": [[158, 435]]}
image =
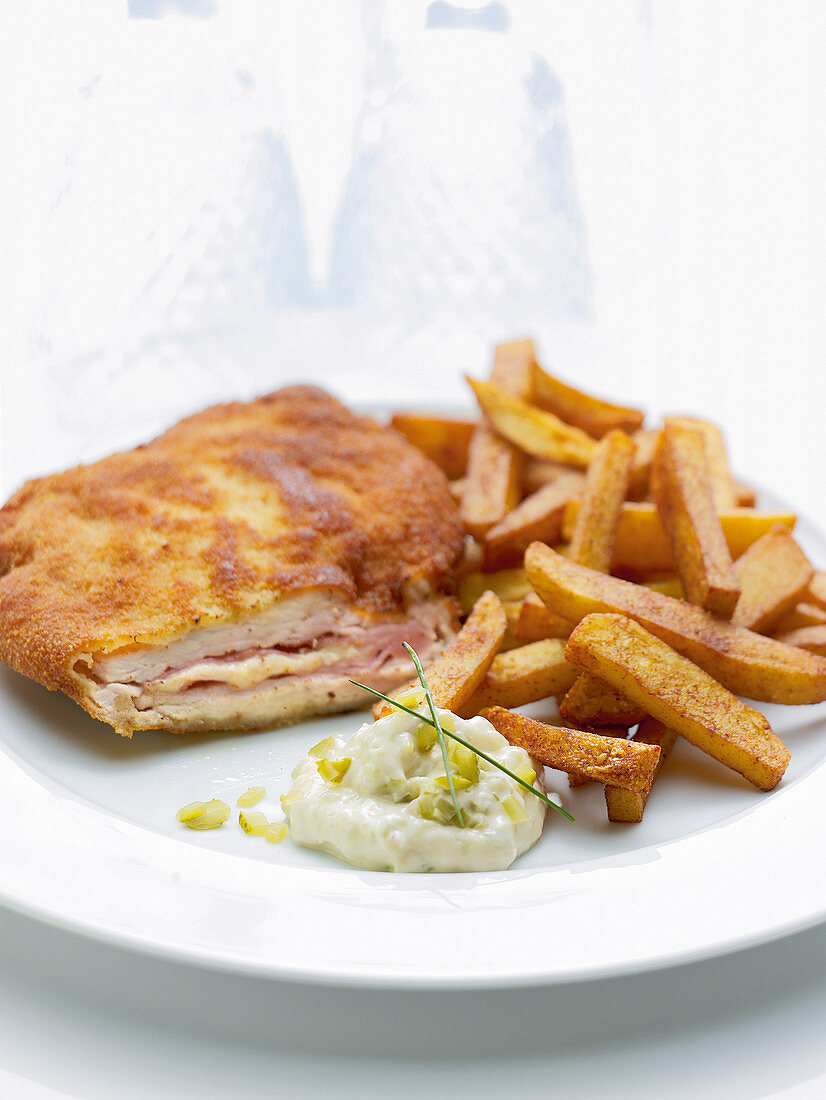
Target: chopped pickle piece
{"points": [[190, 811], [333, 770], [250, 796], [320, 747], [276, 831], [289, 798], [426, 737], [256, 823], [514, 808], [459, 782], [448, 722], [466, 761], [527, 775], [213, 815]]}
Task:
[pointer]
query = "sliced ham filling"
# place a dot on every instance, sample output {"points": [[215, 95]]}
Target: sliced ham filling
{"points": [[292, 660]]}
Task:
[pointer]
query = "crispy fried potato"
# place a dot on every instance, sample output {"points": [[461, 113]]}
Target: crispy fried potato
{"points": [[462, 665], [642, 544], [646, 442], [774, 575], [746, 663], [533, 430], [492, 483], [539, 472], [577, 780], [628, 806], [536, 621], [682, 490], [817, 590], [810, 638], [592, 702], [508, 584], [514, 368], [590, 414], [680, 695], [669, 586], [444, 440], [606, 759], [800, 616], [522, 676], [722, 487], [512, 609], [606, 483], [457, 489], [537, 517]]}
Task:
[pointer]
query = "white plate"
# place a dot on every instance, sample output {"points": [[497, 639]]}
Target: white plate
{"points": [[91, 843]]}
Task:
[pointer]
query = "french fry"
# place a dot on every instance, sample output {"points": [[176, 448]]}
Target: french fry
{"points": [[522, 676], [628, 806], [463, 664], [642, 544], [606, 483], [746, 663], [669, 586], [537, 517], [514, 368], [646, 442], [810, 638], [457, 489], [576, 780], [444, 440], [722, 487], [774, 575], [532, 429], [606, 759], [590, 414], [817, 589], [507, 584], [512, 608], [682, 490], [680, 695], [539, 472], [536, 621], [800, 616], [592, 702], [492, 483]]}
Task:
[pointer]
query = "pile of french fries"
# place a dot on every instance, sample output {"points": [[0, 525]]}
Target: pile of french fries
{"points": [[623, 571]]}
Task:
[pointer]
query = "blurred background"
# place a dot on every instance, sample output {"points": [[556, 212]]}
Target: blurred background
{"points": [[207, 199]]}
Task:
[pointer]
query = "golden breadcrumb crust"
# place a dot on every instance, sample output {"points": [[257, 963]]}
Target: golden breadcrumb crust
{"points": [[218, 518]]}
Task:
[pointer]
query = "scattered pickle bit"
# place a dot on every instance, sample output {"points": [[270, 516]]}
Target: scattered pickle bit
{"points": [[276, 831], [287, 799], [466, 761], [320, 747], [426, 737], [256, 823], [333, 770], [460, 783], [213, 815], [527, 775], [514, 809], [448, 722], [412, 699], [190, 811], [250, 796]]}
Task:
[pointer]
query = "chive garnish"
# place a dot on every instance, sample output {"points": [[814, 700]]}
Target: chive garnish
{"points": [[467, 745]]}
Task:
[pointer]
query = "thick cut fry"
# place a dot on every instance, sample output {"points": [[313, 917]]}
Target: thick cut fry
{"points": [[445, 441], [512, 608], [606, 483], [642, 544], [746, 663], [492, 483], [462, 666], [680, 695], [817, 589], [669, 586], [537, 517], [575, 779], [628, 806], [774, 575], [507, 584], [541, 471], [810, 638], [457, 489], [722, 487], [800, 616], [536, 621], [592, 702], [513, 368], [606, 759], [592, 415], [646, 443], [522, 676], [531, 429], [681, 486]]}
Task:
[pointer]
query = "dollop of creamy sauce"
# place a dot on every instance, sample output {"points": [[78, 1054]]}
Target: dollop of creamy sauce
{"points": [[380, 800]]}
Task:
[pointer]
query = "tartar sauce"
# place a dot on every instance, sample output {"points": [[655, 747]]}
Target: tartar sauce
{"points": [[380, 800]]}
